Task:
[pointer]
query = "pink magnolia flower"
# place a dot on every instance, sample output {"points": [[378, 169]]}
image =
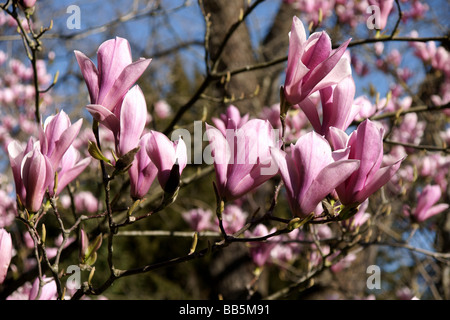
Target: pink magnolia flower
{"points": [[162, 109], [199, 219], [33, 174], [338, 109], [56, 144], [426, 204], [233, 218], [143, 171], [312, 64], [127, 122], [16, 154], [57, 136], [385, 9], [310, 173], [5, 253], [70, 167], [47, 292], [260, 251], [27, 3], [231, 119], [241, 158], [366, 145], [169, 157], [116, 72]]}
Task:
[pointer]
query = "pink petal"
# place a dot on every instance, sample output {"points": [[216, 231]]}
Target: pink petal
{"points": [[124, 82], [90, 75], [112, 58], [105, 117], [326, 181], [133, 116]]}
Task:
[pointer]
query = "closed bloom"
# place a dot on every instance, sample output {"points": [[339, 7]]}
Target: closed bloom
{"points": [[37, 175], [310, 173], [426, 204], [169, 157], [338, 109], [366, 145], [5, 253], [242, 158], [116, 72], [33, 173], [48, 291], [127, 122], [312, 63], [143, 171], [16, 154]]}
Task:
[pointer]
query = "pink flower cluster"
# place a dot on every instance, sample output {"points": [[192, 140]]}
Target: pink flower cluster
{"points": [[46, 165], [354, 12], [121, 108]]}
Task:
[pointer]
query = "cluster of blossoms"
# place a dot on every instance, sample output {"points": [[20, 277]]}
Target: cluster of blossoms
{"points": [[334, 164], [354, 12]]}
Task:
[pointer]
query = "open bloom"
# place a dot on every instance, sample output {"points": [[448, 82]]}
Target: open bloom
{"points": [[312, 63], [143, 171], [242, 158], [426, 204], [310, 173], [57, 136], [116, 72], [5, 253], [366, 145], [169, 157], [338, 109]]}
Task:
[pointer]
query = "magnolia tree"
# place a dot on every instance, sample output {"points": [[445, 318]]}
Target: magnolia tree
{"points": [[306, 160]]}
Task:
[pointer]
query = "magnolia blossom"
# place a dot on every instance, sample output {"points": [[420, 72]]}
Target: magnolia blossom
{"points": [[33, 174], [199, 219], [116, 72], [143, 171], [47, 292], [338, 109], [310, 173], [242, 159], [169, 157], [260, 251], [312, 63], [57, 135], [231, 119], [366, 145], [127, 122], [426, 204], [233, 218], [5, 253]]}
